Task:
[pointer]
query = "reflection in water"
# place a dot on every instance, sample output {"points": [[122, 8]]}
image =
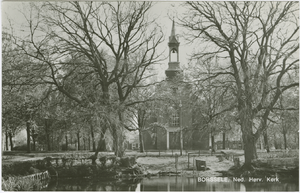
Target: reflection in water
{"points": [[90, 185], [191, 184], [187, 184], [165, 183]]}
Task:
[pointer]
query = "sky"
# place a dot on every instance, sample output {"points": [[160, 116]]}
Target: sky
{"points": [[164, 11]]}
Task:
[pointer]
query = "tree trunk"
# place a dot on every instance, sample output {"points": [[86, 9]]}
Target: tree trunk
{"points": [[284, 138], [261, 142], [275, 142], [181, 142], [116, 140], [66, 142], [156, 139], [102, 146], [78, 140], [212, 144], [297, 140], [52, 140], [119, 137], [48, 142], [47, 135], [58, 144], [249, 150], [119, 145], [93, 137], [33, 140], [89, 141], [224, 143], [101, 142], [266, 141], [84, 142], [6, 141], [28, 136], [11, 141], [242, 143], [249, 139], [141, 141]]}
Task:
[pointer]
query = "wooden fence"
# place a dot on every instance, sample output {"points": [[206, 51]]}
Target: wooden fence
{"points": [[38, 176]]}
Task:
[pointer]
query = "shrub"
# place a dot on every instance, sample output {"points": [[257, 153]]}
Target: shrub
{"points": [[33, 170], [103, 160], [22, 147], [21, 184], [16, 169], [22, 168], [127, 161], [84, 170], [8, 185], [67, 172]]}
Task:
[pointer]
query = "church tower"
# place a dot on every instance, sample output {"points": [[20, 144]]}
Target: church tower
{"points": [[174, 64]]}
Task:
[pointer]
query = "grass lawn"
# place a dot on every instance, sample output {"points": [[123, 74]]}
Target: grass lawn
{"points": [[164, 161]]}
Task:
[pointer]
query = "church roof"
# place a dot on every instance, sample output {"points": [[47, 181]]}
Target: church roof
{"points": [[173, 29], [172, 38]]}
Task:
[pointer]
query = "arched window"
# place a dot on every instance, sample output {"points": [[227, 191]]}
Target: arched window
{"points": [[173, 55]]}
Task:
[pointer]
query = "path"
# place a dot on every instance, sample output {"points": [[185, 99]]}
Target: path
{"points": [[167, 164]]}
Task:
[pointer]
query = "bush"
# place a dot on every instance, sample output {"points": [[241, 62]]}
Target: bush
{"points": [[84, 170], [16, 169], [103, 160], [71, 147], [67, 172], [21, 184], [22, 147], [127, 161], [21, 168]]}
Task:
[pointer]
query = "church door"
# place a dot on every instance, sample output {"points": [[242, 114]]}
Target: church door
{"points": [[174, 140]]}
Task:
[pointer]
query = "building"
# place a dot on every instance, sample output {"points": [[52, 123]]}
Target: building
{"points": [[171, 127]]}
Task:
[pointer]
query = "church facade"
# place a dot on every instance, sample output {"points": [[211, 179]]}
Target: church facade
{"points": [[172, 127]]}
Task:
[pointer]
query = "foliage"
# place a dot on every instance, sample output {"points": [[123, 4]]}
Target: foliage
{"points": [[85, 171], [21, 184], [21, 168], [94, 62]]}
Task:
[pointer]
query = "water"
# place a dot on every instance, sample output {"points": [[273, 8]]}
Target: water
{"points": [[166, 183]]}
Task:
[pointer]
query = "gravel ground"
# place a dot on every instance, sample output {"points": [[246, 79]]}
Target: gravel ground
{"points": [[167, 164], [154, 164]]}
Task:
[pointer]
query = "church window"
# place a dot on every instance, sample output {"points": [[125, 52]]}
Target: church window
{"points": [[175, 119]]}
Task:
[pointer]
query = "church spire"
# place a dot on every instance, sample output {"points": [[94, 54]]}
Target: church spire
{"points": [[173, 29], [174, 67], [172, 37]]}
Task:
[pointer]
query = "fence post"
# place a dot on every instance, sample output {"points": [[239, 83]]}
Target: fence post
{"points": [[188, 161], [176, 162], [193, 165]]}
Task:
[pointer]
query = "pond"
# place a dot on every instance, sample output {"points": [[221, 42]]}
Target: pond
{"points": [[169, 183]]}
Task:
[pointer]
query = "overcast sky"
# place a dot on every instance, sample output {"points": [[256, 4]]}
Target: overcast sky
{"points": [[161, 10]]}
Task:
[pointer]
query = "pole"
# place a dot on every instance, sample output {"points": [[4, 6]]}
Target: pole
{"points": [[181, 137]]}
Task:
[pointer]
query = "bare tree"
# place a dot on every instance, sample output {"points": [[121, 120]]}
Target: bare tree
{"points": [[109, 45], [258, 45]]}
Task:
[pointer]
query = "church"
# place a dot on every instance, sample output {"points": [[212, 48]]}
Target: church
{"points": [[171, 126]]}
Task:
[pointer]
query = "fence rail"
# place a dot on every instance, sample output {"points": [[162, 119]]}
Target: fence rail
{"points": [[38, 176]]}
